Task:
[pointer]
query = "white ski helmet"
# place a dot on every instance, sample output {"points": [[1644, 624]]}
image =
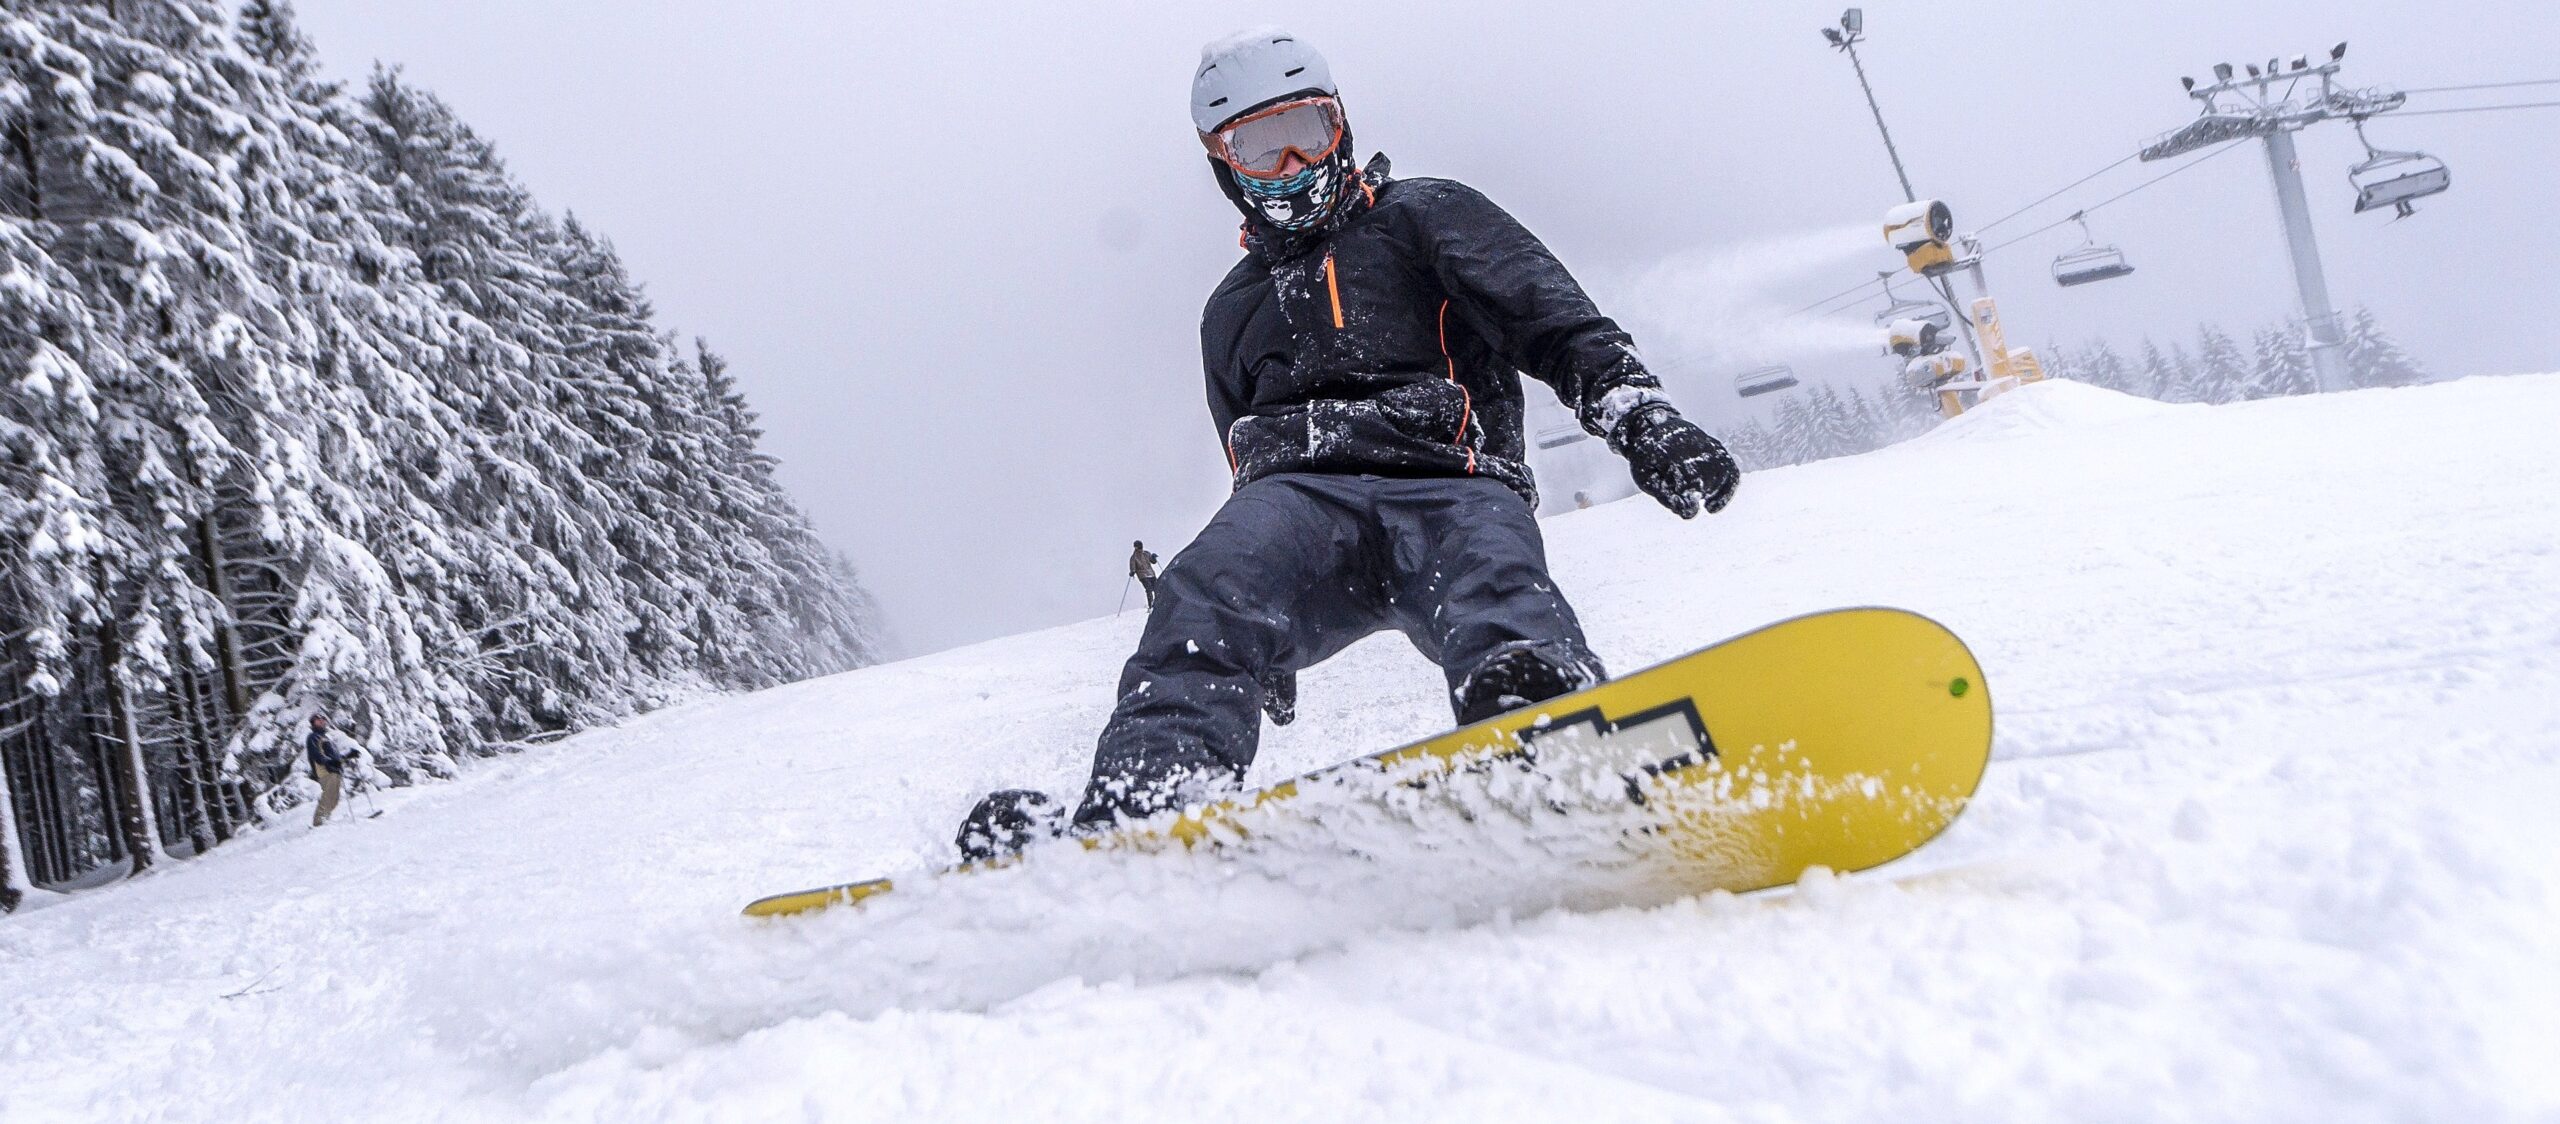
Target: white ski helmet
{"points": [[1249, 68]]}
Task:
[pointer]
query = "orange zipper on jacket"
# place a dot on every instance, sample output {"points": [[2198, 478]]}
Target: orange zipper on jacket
{"points": [[1333, 290], [1467, 409]]}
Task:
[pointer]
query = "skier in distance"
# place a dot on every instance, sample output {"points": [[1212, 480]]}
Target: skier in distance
{"points": [[1142, 566], [328, 754], [1363, 365]]}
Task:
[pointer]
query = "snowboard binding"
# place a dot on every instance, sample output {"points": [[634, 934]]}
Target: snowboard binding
{"points": [[1519, 674]]}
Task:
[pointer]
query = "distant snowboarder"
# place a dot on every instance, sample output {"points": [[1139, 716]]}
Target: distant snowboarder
{"points": [[328, 754], [1362, 364], [1142, 566]]}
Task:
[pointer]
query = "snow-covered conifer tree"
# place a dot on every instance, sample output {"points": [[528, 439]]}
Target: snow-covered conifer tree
{"points": [[1798, 434], [2182, 378], [1842, 435], [2156, 373], [2374, 358], [2100, 366], [2221, 372], [1751, 444], [1874, 428], [2279, 365]]}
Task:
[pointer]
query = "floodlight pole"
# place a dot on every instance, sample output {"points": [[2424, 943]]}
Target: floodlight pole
{"points": [[2238, 107], [1848, 43], [1845, 39]]}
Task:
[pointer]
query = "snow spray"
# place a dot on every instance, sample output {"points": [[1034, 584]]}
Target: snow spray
{"points": [[1735, 306]]}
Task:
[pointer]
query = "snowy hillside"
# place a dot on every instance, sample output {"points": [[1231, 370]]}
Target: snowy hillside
{"points": [[2267, 836]]}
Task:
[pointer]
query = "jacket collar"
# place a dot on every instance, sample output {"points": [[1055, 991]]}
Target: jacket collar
{"points": [[1271, 245]]}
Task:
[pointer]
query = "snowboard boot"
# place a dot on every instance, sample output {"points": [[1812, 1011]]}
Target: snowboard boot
{"points": [[1110, 802], [1516, 675], [1007, 821]]}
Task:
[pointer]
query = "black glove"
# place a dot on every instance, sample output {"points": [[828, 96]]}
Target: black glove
{"points": [[1280, 697], [1676, 462]]}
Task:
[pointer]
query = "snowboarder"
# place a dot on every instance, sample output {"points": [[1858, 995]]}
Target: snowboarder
{"points": [[1362, 365], [1142, 566], [329, 756]]}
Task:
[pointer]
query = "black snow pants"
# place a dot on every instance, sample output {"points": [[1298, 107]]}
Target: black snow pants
{"points": [[1295, 568]]}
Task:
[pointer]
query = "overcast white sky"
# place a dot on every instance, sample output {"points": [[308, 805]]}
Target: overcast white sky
{"points": [[957, 250]]}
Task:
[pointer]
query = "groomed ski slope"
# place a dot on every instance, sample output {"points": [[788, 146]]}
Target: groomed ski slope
{"points": [[2269, 835]]}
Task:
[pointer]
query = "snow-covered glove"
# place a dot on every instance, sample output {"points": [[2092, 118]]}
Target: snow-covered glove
{"points": [[1675, 462]]}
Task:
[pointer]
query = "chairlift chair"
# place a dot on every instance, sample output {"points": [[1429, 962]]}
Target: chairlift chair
{"points": [[2395, 179], [1929, 312], [1896, 308], [2089, 261], [1764, 380], [1557, 437]]}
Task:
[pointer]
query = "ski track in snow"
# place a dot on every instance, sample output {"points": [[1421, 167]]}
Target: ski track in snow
{"points": [[2267, 836]]}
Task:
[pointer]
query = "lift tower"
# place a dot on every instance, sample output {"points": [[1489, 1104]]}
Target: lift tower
{"points": [[2237, 107]]}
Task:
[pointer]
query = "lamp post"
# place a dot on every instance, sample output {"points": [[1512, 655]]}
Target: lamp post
{"points": [[1845, 38]]}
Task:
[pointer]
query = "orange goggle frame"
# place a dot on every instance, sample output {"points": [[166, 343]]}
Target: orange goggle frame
{"points": [[1259, 143]]}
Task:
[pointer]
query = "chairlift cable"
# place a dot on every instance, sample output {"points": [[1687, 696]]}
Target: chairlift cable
{"points": [[2484, 86], [2473, 109], [2121, 162], [1852, 290], [1835, 298], [1860, 287], [2226, 147]]}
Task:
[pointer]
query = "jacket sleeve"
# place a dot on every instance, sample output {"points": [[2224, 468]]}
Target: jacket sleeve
{"points": [[1509, 288], [1222, 328], [1226, 394]]}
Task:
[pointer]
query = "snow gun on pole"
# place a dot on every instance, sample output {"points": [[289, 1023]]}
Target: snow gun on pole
{"points": [[1924, 232]]}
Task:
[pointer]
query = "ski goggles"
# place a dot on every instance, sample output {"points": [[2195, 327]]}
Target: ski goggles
{"points": [[1259, 143]]}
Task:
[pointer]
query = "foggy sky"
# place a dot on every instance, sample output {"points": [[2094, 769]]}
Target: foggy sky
{"points": [[957, 251]]}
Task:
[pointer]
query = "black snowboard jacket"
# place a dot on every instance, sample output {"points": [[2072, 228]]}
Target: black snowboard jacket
{"points": [[1391, 341]]}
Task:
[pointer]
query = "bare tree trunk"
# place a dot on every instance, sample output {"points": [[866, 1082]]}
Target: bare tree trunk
{"points": [[137, 822], [194, 816], [28, 749], [235, 667], [212, 730], [13, 868], [53, 825]]}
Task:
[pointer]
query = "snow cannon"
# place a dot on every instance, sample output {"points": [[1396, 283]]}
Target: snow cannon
{"points": [[1922, 233], [1925, 344], [1913, 338], [1931, 371]]}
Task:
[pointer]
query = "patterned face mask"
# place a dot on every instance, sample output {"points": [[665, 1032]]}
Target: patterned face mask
{"points": [[1295, 203]]}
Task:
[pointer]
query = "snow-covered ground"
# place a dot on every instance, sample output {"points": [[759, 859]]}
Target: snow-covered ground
{"points": [[2269, 834]]}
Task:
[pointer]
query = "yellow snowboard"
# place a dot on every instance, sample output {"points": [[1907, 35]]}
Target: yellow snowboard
{"points": [[1841, 740]]}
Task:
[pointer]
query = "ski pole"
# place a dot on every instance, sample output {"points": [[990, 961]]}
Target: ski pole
{"points": [[1124, 595], [366, 791]]}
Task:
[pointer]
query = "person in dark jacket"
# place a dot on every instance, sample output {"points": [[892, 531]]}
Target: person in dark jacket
{"points": [[328, 755], [1363, 364], [1142, 566]]}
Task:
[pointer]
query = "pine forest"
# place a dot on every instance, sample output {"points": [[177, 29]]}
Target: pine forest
{"points": [[307, 407]]}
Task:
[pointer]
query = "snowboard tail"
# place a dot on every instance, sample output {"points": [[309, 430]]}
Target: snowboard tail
{"points": [[1843, 740]]}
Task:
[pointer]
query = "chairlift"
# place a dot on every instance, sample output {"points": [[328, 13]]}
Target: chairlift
{"points": [[2089, 261], [1929, 312], [1559, 436], [2395, 179], [1897, 308], [1764, 380]]}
